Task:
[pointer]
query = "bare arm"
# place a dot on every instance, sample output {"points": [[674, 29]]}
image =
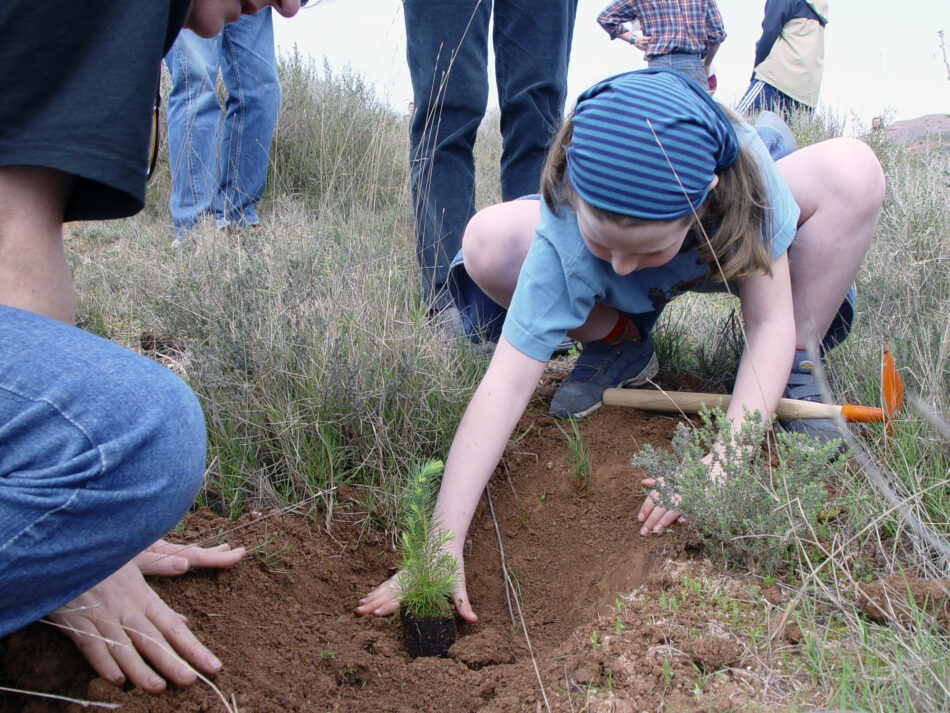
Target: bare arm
{"points": [[479, 444], [711, 50], [770, 342]]}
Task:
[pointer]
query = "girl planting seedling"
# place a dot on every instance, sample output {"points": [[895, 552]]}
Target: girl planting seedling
{"points": [[651, 190]]}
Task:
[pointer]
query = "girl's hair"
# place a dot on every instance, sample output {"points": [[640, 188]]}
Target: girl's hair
{"points": [[733, 233]]}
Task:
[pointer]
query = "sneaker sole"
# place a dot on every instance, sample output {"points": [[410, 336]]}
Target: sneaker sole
{"points": [[648, 372]]}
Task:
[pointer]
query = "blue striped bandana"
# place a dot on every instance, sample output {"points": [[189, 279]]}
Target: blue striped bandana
{"points": [[647, 144]]}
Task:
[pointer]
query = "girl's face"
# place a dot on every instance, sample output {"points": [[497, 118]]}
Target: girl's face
{"points": [[631, 248]]}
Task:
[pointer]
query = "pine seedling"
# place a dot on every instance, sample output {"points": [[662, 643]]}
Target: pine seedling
{"points": [[428, 570]]}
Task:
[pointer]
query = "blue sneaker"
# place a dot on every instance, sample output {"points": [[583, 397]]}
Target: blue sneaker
{"points": [[601, 366], [802, 386]]}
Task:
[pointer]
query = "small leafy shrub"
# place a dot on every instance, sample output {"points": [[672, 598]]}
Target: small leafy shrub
{"points": [[753, 510], [428, 570]]}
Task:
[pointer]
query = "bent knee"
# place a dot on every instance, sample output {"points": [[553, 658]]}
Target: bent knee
{"points": [[481, 243], [174, 430], [155, 436], [860, 174], [498, 237]]}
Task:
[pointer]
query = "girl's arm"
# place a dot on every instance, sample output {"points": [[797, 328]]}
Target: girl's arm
{"points": [[479, 443], [763, 370], [770, 342]]}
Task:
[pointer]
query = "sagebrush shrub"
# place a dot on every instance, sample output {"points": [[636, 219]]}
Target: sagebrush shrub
{"points": [[763, 496]]}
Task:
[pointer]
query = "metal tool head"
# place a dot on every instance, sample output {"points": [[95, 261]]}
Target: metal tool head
{"points": [[892, 388]]}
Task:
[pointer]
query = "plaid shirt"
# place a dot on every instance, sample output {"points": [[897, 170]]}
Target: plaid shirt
{"points": [[672, 25]]}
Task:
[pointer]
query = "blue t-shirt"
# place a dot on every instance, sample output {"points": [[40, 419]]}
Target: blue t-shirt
{"points": [[561, 279]]}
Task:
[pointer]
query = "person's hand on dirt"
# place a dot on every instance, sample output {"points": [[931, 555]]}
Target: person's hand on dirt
{"points": [[164, 559], [384, 600], [655, 517], [121, 623]]}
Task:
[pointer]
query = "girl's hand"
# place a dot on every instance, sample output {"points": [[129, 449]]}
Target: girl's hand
{"points": [[384, 600], [655, 517]]}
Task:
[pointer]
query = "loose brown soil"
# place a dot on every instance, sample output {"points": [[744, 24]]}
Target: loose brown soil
{"points": [[282, 621]]}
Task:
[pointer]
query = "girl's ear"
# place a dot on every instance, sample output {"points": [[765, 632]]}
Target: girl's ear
{"points": [[714, 182]]}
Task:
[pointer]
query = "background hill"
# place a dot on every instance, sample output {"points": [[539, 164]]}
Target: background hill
{"points": [[921, 134]]}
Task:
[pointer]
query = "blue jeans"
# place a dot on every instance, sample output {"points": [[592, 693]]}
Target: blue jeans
{"points": [[218, 159], [447, 51], [101, 452], [688, 63]]}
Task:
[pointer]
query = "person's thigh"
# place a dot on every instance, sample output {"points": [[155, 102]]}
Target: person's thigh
{"points": [[532, 43], [249, 70], [101, 452], [447, 52], [194, 115]]}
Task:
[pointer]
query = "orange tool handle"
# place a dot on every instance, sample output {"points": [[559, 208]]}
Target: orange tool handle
{"points": [[861, 414]]}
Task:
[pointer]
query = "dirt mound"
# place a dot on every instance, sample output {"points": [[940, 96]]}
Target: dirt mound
{"points": [[282, 620], [890, 599]]}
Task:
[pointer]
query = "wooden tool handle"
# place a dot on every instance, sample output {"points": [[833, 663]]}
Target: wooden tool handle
{"points": [[692, 402]]}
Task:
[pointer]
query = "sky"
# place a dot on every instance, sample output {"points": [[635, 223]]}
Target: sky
{"points": [[881, 58]]}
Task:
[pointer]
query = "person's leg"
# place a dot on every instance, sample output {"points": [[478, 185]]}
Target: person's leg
{"points": [[761, 96], [751, 101], [495, 245], [839, 186], [782, 104], [249, 71], [618, 349], [103, 451], [690, 65], [532, 50], [33, 271], [194, 117], [447, 52]]}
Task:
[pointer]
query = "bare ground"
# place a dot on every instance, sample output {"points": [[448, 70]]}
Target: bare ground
{"points": [[615, 621]]}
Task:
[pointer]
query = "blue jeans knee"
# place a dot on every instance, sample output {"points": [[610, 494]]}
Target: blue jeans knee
{"points": [[101, 452]]}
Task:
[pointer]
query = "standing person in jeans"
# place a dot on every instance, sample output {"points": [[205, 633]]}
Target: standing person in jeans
{"points": [[101, 450], [789, 58], [219, 162], [677, 34], [447, 51]]}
